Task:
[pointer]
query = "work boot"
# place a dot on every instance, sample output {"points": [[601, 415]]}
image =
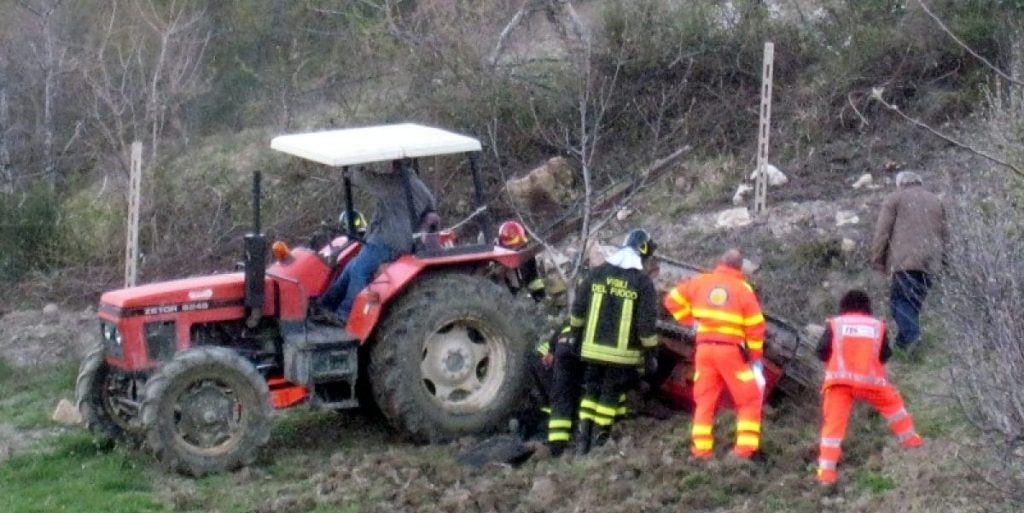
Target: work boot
{"points": [[826, 477], [600, 436], [583, 438], [556, 448], [912, 442]]}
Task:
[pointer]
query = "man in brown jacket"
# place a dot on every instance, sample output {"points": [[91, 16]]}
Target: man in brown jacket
{"points": [[909, 243]]}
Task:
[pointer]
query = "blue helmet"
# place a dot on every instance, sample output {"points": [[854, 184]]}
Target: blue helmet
{"points": [[640, 240]]}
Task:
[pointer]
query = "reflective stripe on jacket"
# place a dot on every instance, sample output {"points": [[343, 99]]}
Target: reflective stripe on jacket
{"points": [[856, 343], [724, 307], [616, 310]]}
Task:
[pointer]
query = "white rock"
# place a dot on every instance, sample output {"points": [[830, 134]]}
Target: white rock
{"points": [[66, 414], [51, 309], [750, 267], [847, 245], [623, 213], [741, 192], [845, 217], [865, 180], [775, 176], [733, 218]]}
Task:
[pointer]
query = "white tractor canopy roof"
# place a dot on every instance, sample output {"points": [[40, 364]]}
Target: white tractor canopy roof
{"points": [[374, 144]]}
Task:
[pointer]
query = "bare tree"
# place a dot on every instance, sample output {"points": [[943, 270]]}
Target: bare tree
{"points": [[146, 67], [562, 15], [52, 58], [6, 167]]}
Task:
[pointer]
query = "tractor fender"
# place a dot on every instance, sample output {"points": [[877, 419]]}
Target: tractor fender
{"points": [[392, 279]]}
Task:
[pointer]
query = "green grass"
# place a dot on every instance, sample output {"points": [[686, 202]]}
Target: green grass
{"points": [[73, 474], [875, 483], [30, 395]]}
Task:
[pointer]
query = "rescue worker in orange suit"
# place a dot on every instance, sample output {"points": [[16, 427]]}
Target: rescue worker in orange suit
{"points": [[512, 235], [730, 342], [855, 347], [613, 322]]}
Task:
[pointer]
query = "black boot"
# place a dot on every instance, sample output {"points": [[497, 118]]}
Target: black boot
{"points": [[583, 438]]}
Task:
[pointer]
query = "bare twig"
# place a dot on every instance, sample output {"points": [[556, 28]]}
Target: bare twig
{"points": [[968, 49], [876, 94]]}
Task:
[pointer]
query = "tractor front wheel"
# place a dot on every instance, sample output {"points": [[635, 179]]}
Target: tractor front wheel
{"points": [[449, 359], [206, 411], [108, 400]]}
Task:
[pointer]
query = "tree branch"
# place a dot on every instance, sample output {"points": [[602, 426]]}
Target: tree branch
{"points": [[963, 45], [876, 94]]}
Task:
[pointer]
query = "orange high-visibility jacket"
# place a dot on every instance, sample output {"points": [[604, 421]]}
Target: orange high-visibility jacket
{"points": [[723, 306], [856, 344]]}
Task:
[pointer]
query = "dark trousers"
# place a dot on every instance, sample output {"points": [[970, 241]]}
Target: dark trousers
{"points": [[909, 288], [604, 394], [564, 393]]}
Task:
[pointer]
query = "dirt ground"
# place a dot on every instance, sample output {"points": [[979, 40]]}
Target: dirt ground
{"points": [[350, 462]]}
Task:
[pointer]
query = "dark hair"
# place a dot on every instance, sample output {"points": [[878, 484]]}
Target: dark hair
{"points": [[855, 300]]}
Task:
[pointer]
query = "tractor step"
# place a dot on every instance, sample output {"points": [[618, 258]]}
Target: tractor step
{"points": [[324, 358]]}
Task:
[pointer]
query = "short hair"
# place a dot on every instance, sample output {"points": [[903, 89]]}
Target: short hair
{"points": [[855, 300], [907, 178], [732, 258]]}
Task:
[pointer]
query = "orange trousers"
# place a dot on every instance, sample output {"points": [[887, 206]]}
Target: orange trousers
{"points": [[718, 365], [837, 400]]}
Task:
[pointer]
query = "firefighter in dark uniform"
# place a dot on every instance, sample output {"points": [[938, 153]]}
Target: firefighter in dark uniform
{"points": [[512, 235], [613, 322]]}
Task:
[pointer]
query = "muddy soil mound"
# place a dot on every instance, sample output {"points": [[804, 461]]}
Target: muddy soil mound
{"points": [[34, 338]]}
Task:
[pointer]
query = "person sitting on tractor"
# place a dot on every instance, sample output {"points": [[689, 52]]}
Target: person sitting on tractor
{"points": [[512, 235], [390, 234]]}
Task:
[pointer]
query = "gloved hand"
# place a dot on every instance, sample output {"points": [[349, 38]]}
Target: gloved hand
{"points": [[650, 363], [758, 368]]}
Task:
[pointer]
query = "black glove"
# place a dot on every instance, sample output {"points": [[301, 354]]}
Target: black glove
{"points": [[650, 363]]}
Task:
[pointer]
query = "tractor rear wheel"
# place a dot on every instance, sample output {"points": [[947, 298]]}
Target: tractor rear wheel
{"points": [[450, 357], [206, 411], [108, 401]]}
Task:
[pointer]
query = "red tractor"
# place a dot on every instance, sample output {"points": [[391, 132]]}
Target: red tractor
{"points": [[194, 367]]}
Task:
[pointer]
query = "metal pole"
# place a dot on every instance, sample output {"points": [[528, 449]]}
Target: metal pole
{"points": [[131, 253], [764, 128]]}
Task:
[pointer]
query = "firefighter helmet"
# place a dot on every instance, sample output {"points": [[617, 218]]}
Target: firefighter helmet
{"points": [[359, 225], [640, 240], [512, 235]]}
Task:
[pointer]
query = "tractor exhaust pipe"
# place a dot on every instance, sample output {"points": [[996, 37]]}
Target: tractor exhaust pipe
{"points": [[255, 259]]}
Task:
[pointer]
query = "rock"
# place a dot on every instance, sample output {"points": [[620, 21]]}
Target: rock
{"points": [[733, 218], [682, 185], [543, 493], [544, 189], [51, 309], [775, 176], [741, 193], [597, 253], [814, 331], [865, 180], [750, 267], [66, 414], [845, 217], [553, 259], [623, 213], [847, 245]]}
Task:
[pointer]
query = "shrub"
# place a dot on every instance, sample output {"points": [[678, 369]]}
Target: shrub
{"points": [[28, 229]]}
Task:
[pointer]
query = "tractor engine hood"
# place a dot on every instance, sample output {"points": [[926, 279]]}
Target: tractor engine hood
{"points": [[177, 295]]}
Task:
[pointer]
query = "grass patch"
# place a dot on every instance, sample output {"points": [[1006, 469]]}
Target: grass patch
{"points": [[75, 475], [31, 394], [875, 483]]}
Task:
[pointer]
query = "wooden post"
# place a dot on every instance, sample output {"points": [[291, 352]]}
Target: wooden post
{"points": [[761, 181], [131, 253]]}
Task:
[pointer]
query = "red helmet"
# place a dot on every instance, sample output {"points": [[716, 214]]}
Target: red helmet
{"points": [[511, 235]]}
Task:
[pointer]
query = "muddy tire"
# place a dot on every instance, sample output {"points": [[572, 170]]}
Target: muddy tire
{"points": [[97, 393], [450, 358], [206, 411]]}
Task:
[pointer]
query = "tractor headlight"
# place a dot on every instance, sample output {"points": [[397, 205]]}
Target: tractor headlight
{"points": [[111, 339]]}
